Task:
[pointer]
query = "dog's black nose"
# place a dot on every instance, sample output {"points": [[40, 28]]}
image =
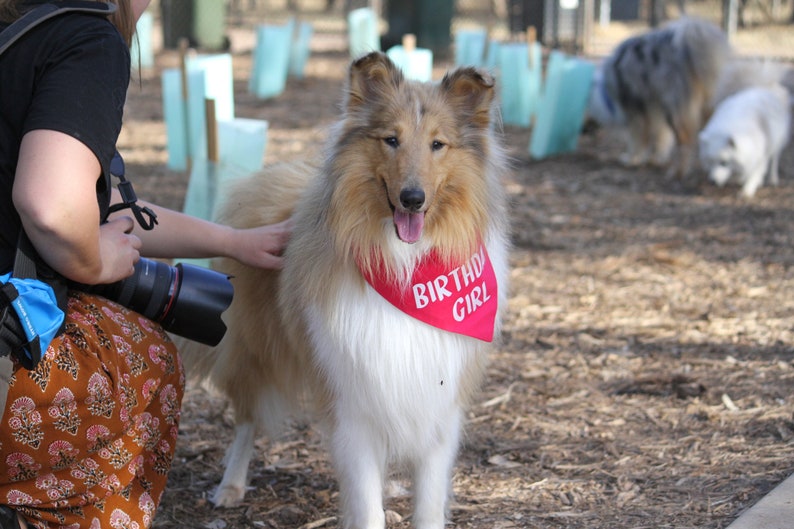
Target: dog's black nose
{"points": [[412, 198]]}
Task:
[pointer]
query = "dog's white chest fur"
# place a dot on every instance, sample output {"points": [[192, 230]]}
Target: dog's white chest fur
{"points": [[405, 371]]}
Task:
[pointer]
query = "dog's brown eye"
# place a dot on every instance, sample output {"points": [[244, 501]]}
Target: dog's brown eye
{"points": [[391, 141], [437, 145]]}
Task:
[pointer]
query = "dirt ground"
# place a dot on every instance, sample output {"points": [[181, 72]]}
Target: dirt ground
{"points": [[646, 379]]}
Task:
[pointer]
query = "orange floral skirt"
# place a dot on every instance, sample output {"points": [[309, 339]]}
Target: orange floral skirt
{"points": [[87, 438]]}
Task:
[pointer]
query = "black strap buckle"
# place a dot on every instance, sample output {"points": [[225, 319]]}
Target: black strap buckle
{"points": [[146, 218]]}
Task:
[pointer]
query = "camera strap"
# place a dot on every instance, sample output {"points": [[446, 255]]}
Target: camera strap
{"points": [[146, 218]]}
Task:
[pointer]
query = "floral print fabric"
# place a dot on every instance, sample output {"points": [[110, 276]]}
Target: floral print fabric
{"points": [[87, 439]]}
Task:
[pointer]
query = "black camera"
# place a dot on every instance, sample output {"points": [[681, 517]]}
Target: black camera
{"points": [[185, 299]]}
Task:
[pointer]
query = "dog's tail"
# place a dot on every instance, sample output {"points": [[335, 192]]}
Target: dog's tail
{"points": [[197, 358]]}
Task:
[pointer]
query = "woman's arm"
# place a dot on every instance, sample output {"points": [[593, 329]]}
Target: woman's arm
{"points": [[55, 195], [180, 235]]}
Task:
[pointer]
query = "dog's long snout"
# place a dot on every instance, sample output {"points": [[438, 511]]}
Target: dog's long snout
{"points": [[412, 198]]}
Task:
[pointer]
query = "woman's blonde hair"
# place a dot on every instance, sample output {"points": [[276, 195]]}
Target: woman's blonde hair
{"points": [[123, 18]]}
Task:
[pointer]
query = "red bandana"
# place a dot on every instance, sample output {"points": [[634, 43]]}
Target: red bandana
{"points": [[461, 300]]}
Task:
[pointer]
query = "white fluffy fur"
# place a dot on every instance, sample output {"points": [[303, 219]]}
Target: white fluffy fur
{"points": [[408, 374], [745, 136]]}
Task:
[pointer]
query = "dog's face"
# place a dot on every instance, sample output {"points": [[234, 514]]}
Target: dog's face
{"points": [[717, 157], [411, 158]]}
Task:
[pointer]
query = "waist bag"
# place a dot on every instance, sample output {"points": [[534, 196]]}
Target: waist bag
{"points": [[31, 309], [33, 298]]}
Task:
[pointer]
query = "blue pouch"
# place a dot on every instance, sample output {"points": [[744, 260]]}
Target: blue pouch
{"points": [[29, 319]]}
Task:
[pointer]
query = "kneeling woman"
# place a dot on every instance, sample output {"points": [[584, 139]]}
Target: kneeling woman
{"points": [[88, 435]]}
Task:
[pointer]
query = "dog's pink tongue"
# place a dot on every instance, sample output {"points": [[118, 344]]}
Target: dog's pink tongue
{"points": [[409, 225]]}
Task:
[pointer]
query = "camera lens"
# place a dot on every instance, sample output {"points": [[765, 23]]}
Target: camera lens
{"points": [[185, 299], [150, 290], [201, 297]]}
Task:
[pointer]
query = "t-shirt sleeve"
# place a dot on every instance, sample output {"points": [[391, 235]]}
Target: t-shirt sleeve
{"points": [[82, 89]]}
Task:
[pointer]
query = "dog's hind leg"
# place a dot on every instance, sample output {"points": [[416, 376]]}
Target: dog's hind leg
{"points": [[686, 121], [663, 146], [231, 490], [261, 413], [433, 474], [681, 167]]}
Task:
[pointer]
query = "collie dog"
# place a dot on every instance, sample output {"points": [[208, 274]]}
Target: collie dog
{"points": [[659, 87], [391, 296]]}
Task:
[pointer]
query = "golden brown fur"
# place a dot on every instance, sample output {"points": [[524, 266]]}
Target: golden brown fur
{"points": [[455, 235], [317, 329], [252, 314]]}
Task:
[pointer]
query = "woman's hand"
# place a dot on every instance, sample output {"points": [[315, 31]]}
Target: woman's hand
{"points": [[261, 247], [119, 249]]}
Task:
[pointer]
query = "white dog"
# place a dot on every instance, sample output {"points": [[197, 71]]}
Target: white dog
{"points": [[745, 136]]}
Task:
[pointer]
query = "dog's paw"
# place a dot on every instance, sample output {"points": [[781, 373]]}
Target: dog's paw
{"points": [[748, 192], [660, 160], [228, 496], [626, 159], [632, 160]]}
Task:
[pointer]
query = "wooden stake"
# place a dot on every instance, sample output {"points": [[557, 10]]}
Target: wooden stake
{"points": [[183, 49], [532, 37], [532, 34], [212, 130], [409, 42]]}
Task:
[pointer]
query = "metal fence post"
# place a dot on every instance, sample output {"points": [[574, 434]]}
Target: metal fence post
{"points": [[730, 9]]}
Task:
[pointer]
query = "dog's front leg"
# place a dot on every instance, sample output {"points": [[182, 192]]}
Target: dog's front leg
{"points": [[360, 460], [753, 181], [232, 488], [433, 475]]}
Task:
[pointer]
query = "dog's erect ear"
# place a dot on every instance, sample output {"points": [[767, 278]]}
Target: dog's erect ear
{"points": [[472, 92], [371, 76]]}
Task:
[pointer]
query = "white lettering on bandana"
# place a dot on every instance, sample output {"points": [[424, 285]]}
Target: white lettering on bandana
{"points": [[462, 300]]}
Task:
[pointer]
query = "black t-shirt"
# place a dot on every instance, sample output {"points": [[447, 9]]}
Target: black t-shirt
{"points": [[68, 74]]}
